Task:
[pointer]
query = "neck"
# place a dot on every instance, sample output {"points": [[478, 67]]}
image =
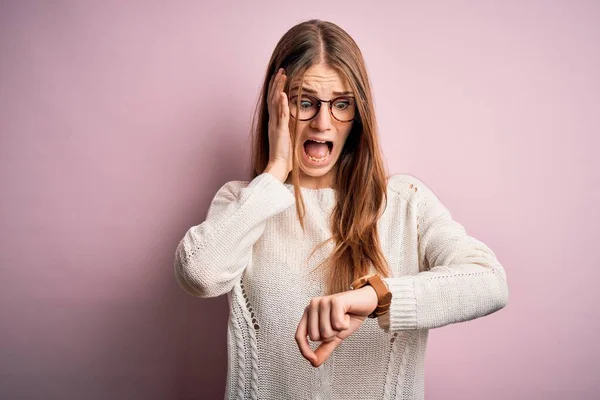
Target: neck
{"points": [[314, 182]]}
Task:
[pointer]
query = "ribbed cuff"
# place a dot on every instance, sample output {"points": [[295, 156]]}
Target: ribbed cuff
{"points": [[403, 310]]}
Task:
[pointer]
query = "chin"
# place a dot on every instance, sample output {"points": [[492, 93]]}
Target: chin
{"points": [[315, 173]]}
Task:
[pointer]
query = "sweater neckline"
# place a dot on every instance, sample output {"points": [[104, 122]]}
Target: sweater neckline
{"points": [[310, 190], [324, 197]]}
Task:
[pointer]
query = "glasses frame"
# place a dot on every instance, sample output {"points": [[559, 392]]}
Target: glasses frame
{"points": [[321, 101]]}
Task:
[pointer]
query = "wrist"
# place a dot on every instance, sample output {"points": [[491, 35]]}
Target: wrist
{"points": [[278, 170], [372, 296], [380, 287]]}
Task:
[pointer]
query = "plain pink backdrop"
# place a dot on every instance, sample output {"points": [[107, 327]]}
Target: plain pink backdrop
{"points": [[119, 120]]}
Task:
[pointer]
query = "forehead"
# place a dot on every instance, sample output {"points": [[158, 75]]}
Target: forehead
{"points": [[323, 79]]}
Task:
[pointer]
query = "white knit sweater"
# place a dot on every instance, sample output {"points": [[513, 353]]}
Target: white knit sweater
{"points": [[252, 248]]}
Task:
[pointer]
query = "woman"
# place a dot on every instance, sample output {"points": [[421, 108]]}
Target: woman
{"points": [[288, 271]]}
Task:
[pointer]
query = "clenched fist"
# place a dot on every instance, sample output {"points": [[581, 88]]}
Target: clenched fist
{"points": [[331, 319]]}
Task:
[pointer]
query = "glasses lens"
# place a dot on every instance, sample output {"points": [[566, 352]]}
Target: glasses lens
{"points": [[343, 108]]}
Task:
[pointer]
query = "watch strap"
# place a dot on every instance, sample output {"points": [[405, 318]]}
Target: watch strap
{"points": [[384, 296]]}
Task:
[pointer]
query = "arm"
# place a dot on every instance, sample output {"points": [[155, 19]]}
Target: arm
{"points": [[461, 278], [212, 256]]}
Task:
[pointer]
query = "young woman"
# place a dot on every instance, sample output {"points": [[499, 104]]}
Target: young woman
{"points": [[363, 265]]}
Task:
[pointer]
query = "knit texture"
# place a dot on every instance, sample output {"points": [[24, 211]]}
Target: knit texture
{"points": [[252, 248]]}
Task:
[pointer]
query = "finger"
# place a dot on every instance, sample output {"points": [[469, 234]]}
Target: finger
{"points": [[278, 105], [270, 95], [272, 90], [339, 319], [280, 95], [270, 101], [285, 112], [325, 320], [272, 87], [302, 341], [283, 121], [282, 81], [279, 85], [313, 320], [270, 83]]}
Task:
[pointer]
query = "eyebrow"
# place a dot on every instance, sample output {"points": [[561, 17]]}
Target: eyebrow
{"points": [[309, 90]]}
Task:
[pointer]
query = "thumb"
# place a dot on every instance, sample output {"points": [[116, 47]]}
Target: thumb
{"points": [[324, 350]]}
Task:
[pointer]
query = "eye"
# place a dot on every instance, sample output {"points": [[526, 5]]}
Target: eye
{"points": [[306, 103], [342, 104]]}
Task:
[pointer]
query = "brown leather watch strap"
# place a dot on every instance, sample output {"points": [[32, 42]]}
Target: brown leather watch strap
{"points": [[384, 296]]}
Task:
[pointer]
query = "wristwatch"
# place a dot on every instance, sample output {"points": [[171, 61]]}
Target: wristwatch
{"points": [[384, 296]]}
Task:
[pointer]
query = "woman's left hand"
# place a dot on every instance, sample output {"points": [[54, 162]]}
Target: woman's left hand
{"points": [[331, 319]]}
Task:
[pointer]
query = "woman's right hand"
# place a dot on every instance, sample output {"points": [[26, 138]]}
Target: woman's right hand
{"points": [[280, 141]]}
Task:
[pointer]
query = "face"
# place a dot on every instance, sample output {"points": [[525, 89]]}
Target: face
{"points": [[321, 81]]}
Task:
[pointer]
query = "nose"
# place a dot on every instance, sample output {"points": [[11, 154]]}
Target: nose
{"points": [[322, 121]]}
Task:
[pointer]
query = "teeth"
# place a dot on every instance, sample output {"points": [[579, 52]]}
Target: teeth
{"points": [[319, 159]]}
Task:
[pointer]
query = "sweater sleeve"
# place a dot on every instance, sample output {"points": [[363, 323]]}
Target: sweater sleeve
{"points": [[461, 279], [213, 255]]}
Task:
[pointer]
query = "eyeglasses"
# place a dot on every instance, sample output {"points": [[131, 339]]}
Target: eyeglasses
{"points": [[342, 108]]}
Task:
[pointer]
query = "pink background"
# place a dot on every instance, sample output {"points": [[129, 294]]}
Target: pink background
{"points": [[120, 120]]}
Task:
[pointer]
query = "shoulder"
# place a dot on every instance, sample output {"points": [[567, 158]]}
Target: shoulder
{"points": [[417, 193], [407, 185]]}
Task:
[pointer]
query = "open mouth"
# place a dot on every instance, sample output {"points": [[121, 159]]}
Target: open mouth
{"points": [[317, 151]]}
